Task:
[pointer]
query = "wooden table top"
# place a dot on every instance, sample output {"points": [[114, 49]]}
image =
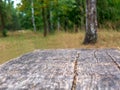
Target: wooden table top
{"points": [[63, 69]]}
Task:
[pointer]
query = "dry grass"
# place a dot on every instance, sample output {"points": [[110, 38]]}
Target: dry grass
{"points": [[18, 43]]}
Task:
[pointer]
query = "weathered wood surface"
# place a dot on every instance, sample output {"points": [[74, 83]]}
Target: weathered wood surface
{"points": [[97, 70], [63, 69]]}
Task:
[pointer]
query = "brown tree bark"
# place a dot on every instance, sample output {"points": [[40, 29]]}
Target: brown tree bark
{"points": [[44, 21], [91, 22], [48, 20], [2, 22], [76, 28]]}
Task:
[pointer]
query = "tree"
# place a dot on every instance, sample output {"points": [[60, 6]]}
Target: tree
{"points": [[91, 22], [78, 13], [65, 14], [52, 14], [44, 19], [8, 18], [2, 14], [33, 18]]}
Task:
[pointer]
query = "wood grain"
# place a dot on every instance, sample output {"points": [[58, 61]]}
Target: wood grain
{"points": [[97, 71], [63, 69]]}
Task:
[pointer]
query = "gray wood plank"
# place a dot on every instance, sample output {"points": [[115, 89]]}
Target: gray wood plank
{"points": [[39, 70], [97, 71]]}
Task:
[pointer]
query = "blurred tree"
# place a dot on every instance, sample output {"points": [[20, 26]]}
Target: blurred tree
{"points": [[2, 14], [8, 18], [91, 22], [50, 15], [33, 17]]}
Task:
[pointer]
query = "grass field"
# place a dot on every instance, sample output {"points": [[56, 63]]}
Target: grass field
{"points": [[20, 42]]}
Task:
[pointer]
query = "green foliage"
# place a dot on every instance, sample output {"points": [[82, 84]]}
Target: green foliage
{"points": [[9, 17], [5, 33], [63, 13], [108, 13]]}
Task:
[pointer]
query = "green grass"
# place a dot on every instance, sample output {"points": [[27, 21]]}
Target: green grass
{"points": [[21, 42]]}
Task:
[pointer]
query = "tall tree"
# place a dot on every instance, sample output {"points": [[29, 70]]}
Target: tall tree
{"points": [[33, 18], [48, 19], [44, 18], [2, 14], [91, 22]]}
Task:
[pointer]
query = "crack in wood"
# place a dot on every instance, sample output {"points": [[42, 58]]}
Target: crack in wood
{"points": [[114, 61], [95, 55], [74, 83]]}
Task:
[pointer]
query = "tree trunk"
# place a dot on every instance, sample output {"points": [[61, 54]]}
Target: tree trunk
{"points": [[58, 17], [91, 22], [33, 17], [76, 28], [2, 22], [44, 21], [2, 18], [83, 18], [58, 24], [65, 24], [49, 19]]}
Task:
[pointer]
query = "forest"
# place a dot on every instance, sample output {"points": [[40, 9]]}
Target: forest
{"points": [[42, 24], [67, 15]]}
